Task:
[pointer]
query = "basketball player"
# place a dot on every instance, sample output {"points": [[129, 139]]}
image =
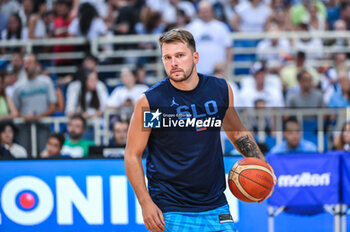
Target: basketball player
{"points": [[185, 168]]}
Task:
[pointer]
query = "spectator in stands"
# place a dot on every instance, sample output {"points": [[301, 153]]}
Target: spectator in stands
{"points": [[339, 61], [168, 9], [25, 11], [293, 143], [100, 5], [14, 31], [259, 88], [5, 154], [8, 109], [141, 74], [16, 67], [9, 82], [35, 98], [60, 28], [330, 79], [343, 142], [306, 96], [9, 7], [7, 137], [311, 45], [87, 96], [212, 38], [88, 64], [345, 13], [125, 25], [181, 21], [53, 146], [88, 23], [251, 16], [128, 93], [289, 72], [112, 13], [340, 25], [120, 133], [36, 24], [126, 20], [151, 23], [333, 12], [280, 15], [60, 104], [299, 13], [273, 50], [229, 9], [75, 146], [315, 20], [341, 96]]}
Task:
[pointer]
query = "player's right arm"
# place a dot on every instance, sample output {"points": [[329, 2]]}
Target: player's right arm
{"points": [[136, 144]]}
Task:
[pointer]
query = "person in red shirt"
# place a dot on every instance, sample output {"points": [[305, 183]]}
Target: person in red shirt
{"points": [[61, 23]]}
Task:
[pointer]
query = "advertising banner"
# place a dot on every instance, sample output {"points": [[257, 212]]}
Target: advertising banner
{"points": [[305, 179], [72, 195], [346, 178]]}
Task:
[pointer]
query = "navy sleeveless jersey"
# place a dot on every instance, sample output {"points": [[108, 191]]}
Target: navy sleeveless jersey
{"points": [[185, 168]]}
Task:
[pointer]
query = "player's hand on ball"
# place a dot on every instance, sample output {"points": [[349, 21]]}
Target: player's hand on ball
{"points": [[251, 180], [153, 217], [274, 181]]}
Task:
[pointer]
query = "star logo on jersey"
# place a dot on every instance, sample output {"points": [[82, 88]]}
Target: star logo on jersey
{"points": [[151, 119]]}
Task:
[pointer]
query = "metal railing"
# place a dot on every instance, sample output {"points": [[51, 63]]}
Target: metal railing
{"points": [[56, 122], [341, 114], [157, 67], [102, 134]]}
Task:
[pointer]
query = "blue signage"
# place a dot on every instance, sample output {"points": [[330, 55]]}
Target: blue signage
{"points": [[72, 195], [305, 179], [346, 178], [67, 195], [94, 195]]}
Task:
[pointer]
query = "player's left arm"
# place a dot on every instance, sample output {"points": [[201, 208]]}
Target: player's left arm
{"points": [[239, 136]]}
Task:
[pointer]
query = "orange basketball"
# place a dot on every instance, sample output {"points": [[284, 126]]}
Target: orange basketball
{"points": [[250, 179]]}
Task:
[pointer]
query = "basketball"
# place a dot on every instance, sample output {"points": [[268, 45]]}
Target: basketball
{"points": [[250, 179]]}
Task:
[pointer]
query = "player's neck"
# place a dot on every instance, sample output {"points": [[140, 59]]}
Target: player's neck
{"points": [[187, 85]]}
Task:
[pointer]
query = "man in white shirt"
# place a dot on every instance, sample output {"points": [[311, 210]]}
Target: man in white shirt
{"points": [[267, 88], [168, 8], [127, 94], [212, 39], [251, 16], [312, 46], [273, 50]]}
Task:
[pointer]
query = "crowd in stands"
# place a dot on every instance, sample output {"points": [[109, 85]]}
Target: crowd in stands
{"points": [[284, 77]]}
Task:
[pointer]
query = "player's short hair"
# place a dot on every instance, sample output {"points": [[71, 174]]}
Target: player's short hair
{"points": [[178, 35]]}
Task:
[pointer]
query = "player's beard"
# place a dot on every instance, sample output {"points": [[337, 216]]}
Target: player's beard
{"points": [[182, 77]]}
